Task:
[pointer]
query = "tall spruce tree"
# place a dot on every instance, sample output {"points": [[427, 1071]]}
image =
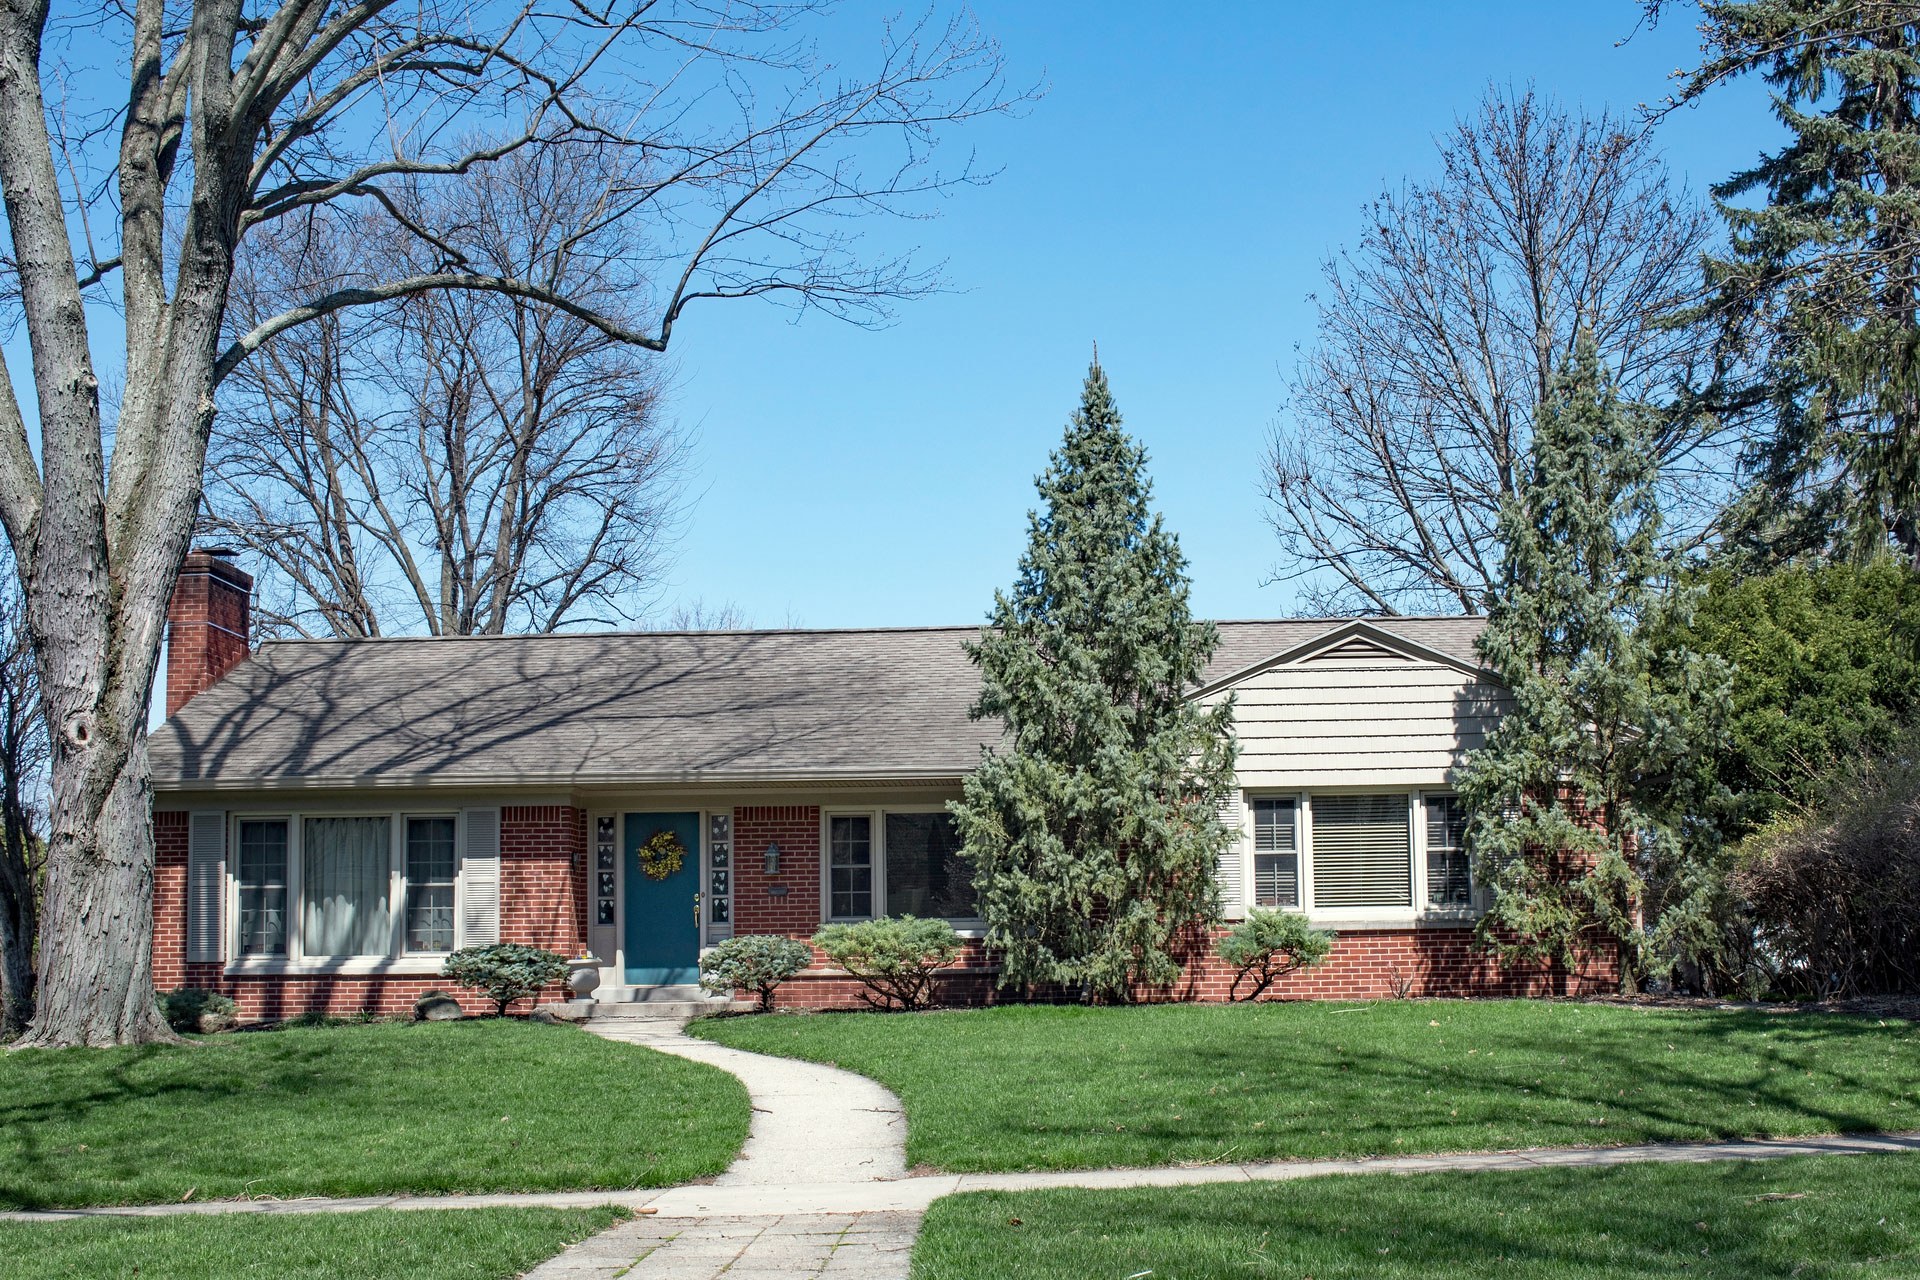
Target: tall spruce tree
{"points": [[1824, 276], [1092, 830], [1585, 806]]}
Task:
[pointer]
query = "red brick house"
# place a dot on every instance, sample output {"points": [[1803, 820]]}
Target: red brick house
{"points": [[333, 817]]}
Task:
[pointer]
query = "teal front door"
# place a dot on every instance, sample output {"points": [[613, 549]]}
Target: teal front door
{"points": [[663, 929]]}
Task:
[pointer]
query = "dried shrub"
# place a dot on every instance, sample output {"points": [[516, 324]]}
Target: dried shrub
{"points": [[1834, 894]]}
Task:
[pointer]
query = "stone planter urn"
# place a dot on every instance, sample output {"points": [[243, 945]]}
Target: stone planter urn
{"points": [[584, 979]]}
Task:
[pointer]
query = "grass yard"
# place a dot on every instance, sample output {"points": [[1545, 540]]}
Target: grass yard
{"points": [[359, 1110], [1040, 1087], [1856, 1217], [441, 1244]]}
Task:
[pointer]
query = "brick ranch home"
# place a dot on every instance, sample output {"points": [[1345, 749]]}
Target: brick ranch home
{"points": [[333, 817]]}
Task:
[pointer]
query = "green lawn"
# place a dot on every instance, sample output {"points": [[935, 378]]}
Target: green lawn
{"points": [[1036, 1087], [432, 1107], [1855, 1217], [439, 1244]]}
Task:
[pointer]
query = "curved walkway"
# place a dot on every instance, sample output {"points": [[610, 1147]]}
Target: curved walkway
{"points": [[820, 1189]]}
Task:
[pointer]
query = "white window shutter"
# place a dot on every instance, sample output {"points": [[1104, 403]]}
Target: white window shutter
{"points": [[1229, 872], [206, 884], [479, 877]]}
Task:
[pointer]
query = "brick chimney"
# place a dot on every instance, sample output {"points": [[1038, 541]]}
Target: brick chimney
{"points": [[208, 621]]}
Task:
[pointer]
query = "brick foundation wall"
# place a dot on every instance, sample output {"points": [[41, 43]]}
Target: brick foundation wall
{"points": [[542, 903], [1363, 965]]}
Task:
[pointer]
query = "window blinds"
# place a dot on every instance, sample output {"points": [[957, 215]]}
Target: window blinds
{"points": [[1362, 852]]}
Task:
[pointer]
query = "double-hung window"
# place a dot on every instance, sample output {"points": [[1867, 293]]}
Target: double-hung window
{"points": [[1276, 852], [1449, 879], [850, 866], [430, 873], [262, 882]]}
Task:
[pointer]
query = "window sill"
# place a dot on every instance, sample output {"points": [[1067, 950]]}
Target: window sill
{"points": [[370, 966], [1393, 919]]}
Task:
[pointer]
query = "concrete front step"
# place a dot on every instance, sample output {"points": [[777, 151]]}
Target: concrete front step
{"points": [[663, 1005]]}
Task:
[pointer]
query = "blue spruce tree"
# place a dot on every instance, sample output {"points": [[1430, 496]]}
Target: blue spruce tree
{"points": [[1092, 829]]}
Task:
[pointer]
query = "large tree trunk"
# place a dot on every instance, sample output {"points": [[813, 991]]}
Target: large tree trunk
{"points": [[96, 949]]}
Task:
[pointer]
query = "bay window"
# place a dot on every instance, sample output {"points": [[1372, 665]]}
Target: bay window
{"points": [[1390, 857]]}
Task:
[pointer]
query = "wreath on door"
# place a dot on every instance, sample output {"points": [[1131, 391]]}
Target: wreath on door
{"points": [[662, 855]]}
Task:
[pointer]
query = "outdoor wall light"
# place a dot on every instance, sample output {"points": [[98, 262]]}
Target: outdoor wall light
{"points": [[773, 859]]}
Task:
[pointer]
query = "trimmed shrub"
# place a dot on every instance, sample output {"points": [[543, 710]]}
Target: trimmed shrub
{"points": [[894, 958], [506, 971], [1269, 945], [196, 1009], [757, 962]]}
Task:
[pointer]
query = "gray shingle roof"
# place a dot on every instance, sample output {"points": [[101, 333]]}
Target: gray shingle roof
{"points": [[633, 707]]}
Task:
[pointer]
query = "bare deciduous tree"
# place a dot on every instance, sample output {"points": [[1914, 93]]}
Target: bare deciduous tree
{"points": [[462, 463], [227, 119], [1410, 418]]}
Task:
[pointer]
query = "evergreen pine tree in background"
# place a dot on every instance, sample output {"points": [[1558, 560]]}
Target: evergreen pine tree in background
{"points": [[1092, 829], [1578, 802], [1823, 278]]}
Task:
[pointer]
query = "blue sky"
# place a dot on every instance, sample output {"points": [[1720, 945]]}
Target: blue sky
{"points": [[1171, 197]]}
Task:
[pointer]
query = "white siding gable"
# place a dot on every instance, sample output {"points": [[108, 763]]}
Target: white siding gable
{"points": [[1357, 709]]}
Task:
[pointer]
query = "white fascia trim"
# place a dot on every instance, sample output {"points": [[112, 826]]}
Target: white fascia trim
{"points": [[1358, 627]]}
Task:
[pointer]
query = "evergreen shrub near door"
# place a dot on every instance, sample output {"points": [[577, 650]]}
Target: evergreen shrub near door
{"points": [[757, 962], [895, 958], [506, 971]]}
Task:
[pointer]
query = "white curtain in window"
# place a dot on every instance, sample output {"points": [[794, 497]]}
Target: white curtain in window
{"points": [[345, 869]]}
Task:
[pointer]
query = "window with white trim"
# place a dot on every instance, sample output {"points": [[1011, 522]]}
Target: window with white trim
{"points": [[322, 888], [905, 861], [346, 875], [1362, 852], [1449, 877], [850, 866], [261, 872], [430, 870], [1276, 852]]}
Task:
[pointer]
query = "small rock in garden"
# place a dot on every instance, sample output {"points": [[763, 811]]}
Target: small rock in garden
{"points": [[436, 1006], [563, 1011]]}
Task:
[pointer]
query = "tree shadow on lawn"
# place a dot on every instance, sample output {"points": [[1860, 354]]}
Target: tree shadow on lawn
{"points": [[1818, 1217], [77, 1084], [1678, 1078]]}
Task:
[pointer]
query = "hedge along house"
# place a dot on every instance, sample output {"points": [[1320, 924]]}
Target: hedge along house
{"points": [[333, 817]]}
